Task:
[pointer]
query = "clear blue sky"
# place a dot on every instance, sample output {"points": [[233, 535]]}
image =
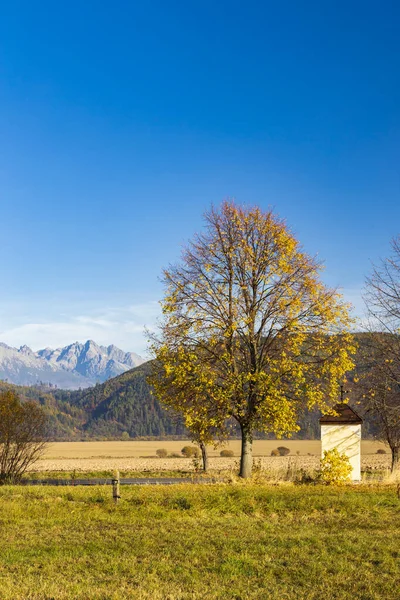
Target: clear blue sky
{"points": [[120, 123]]}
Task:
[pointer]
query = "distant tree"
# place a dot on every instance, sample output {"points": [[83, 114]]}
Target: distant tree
{"points": [[380, 382], [226, 453], [190, 451], [23, 435], [249, 329], [162, 453], [283, 451]]}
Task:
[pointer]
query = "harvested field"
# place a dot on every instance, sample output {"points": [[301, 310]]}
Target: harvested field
{"points": [[140, 456]]}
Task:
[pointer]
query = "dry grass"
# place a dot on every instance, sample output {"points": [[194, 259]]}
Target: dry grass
{"points": [[139, 456], [134, 449]]}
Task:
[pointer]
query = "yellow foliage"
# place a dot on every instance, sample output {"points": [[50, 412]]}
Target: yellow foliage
{"points": [[335, 467], [249, 331]]}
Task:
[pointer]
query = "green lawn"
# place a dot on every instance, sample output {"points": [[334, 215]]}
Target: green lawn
{"points": [[200, 541]]}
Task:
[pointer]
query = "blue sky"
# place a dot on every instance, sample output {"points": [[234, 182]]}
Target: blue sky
{"points": [[121, 123]]}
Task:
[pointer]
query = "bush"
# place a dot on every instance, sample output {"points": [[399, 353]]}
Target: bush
{"points": [[303, 477], [335, 467], [175, 455], [283, 451], [23, 435], [190, 452], [275, 452], [226, 453], [162, 453], [381, 451]]}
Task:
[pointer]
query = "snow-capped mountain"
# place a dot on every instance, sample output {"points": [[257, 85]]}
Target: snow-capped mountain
{"points": [[71, 367]]}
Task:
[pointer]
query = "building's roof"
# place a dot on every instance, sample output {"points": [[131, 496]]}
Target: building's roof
{"points": [[345, 415]]}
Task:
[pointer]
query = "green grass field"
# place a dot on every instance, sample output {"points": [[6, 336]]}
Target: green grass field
{"points": [[191, 541]]}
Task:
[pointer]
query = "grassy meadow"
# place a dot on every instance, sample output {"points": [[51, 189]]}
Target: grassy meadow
{"points": [[240, 541]]}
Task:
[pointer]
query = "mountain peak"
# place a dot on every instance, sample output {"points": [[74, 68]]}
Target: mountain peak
{"points": [[91, 343], [76, 365], [25, 350]]}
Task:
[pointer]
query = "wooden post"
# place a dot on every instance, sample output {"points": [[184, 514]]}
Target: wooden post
{"points": [[115, 486]]}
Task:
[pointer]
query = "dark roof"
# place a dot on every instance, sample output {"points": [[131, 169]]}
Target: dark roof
{"points": [[346, 415]]}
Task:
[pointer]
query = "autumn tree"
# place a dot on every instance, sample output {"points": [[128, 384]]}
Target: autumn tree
{"points": [[249, 331], [203, 420], [381, 380], [201, 436], [23, 435]]}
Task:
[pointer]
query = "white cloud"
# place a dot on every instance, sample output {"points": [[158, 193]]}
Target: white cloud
{"points": [[122, 326]]}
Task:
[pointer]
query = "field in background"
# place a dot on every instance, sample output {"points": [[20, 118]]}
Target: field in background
{"points": [[220, 542], [140, 456], [133, 449]]}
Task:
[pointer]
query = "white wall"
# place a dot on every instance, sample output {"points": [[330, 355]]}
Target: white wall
{"points": [[347, 439]]}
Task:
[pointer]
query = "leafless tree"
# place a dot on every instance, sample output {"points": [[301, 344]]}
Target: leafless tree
{"points": [[23, 435], [381, 381]]}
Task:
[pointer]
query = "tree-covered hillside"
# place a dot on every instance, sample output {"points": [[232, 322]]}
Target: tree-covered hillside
{"points": [[120, 407], [125, 404]]}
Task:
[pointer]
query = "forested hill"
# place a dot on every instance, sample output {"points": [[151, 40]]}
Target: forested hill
{"points": [[123, 406], [118, 408]]}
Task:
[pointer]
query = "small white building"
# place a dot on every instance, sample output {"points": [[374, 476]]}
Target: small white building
{"points": [[343, 432]]}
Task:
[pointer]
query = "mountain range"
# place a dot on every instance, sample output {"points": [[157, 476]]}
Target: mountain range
{"points": [[72, 367]]}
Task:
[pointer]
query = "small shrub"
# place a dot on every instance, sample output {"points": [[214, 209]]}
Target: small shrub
{"points": [[190, 452], [181, 503], [283, 451], [162, 453], [97, 500], [381, 451], [196, 463], [175, 455], [335, 467], [275, 452], [257, 469], [304, 477], [226, 453]]}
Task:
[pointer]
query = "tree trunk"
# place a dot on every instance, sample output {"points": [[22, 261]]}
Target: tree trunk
{"points": [[395, 457], [204, 456], [246, 458]]}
